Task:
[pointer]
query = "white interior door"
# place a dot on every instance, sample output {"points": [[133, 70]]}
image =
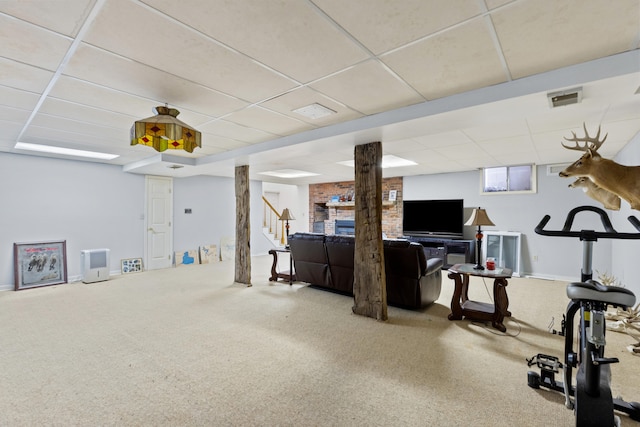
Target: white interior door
{"points": [[159, 214]]}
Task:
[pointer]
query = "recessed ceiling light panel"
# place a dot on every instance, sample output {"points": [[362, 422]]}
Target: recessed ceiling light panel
{"points": [[388, 161], [289, 173], [64, 151]]}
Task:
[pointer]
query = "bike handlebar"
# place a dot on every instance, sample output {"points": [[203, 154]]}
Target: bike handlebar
{"points": [[609, 233]]}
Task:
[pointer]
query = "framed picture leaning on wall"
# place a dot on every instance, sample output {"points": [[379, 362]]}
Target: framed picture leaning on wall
{"points": [[131, 265], [39, 264]]}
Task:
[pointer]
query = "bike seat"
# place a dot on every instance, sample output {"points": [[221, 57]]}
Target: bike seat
{"points": [[595, 291]]}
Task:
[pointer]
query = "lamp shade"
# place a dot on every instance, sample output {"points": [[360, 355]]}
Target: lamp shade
{"points": [[164, 131], [286, 215], [479, 217]]}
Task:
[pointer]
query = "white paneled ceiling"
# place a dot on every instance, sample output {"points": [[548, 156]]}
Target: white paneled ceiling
{"points": [[453, 85]]}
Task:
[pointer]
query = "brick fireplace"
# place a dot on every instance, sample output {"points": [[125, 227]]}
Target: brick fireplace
{"points": [[323, 211]]}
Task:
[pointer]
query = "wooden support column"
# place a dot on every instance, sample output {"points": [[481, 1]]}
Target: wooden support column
{"points": [[243, 227], [369, 287]]}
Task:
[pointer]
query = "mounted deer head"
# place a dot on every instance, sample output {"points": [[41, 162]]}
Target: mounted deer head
{"points": [[607, 198], [623, 181]]}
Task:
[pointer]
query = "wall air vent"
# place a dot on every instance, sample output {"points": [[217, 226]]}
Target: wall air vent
{"points": [[554, 170], [565, 97]]}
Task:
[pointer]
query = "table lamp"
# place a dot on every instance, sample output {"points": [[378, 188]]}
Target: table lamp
{"points": [[478, 218], [286, 216]]}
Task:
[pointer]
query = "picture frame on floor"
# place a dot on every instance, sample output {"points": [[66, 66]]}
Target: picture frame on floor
{"points": [[39, 264], [131, 265]]}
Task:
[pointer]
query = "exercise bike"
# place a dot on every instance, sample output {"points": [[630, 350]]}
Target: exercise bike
{"points": [[592, 401]]}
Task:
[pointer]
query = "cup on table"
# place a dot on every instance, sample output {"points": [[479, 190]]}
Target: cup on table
{"points": [[491, 263]]}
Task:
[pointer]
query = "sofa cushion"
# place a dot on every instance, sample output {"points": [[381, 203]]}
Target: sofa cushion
{"points": [[340, 253], [403, 272], [310, 258]]}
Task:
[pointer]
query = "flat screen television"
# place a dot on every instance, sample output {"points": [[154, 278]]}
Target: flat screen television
{"points": [[442, 218]]}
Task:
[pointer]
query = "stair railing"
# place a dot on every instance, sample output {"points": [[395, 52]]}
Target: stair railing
{"points": [[271, 219]]}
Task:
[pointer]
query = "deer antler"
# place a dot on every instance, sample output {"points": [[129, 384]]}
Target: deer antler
{"points": [[592, 143]]}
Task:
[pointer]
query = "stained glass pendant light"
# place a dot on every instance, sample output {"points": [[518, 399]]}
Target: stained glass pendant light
{"points": [[164, 131]]}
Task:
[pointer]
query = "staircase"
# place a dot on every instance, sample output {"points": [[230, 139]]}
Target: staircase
{"points": [[272, 227]]}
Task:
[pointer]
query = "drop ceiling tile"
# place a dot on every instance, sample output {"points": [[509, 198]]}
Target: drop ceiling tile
{"points": [[512, 145], [208, 150], [23, 76], [305, 48], [426, 157], [552, 156], [444, 139], [30, 44], [14, 115], [382, 25], [235, 131], [303, 96], [458, 152], [192, 56], [268, 121], [503, 130], [553, 140], [470, 164], [10, 130], [221, 143], [84, 130], [62, 16], [492, 4], [368, 88], [94, 95], [557, 119], [89, 115], [564, 33], [401, 146], [207, 103], [519, 158], [450, 166], [104, 69], [629, 110], [18, 99], [457, 60]]}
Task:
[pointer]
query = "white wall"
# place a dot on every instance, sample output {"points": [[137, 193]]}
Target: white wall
{"points": [[556, 257], [90, 205], [93, 205], [213, 209]]}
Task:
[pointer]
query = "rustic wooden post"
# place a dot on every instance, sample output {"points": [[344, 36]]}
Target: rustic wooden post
{"points": [[369, 287], [243, 227]]}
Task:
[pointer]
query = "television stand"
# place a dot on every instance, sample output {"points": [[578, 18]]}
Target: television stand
{"points": [[452, 251]]}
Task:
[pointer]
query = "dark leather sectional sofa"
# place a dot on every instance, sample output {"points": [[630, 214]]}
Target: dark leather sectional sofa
{"points": [[327, 261]]}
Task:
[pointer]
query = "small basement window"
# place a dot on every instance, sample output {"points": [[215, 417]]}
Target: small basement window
{"points": [[508, 179]]}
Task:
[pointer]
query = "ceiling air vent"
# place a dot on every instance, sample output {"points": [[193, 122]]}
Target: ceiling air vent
{"points": [[565, 97], [314, 111]]}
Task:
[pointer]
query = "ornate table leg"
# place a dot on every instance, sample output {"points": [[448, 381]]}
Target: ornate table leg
{"points": [[274, 272], [501, 304], [456, 308]]}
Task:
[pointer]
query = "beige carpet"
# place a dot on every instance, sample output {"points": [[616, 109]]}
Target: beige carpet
{"points": [[186, 346]]}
